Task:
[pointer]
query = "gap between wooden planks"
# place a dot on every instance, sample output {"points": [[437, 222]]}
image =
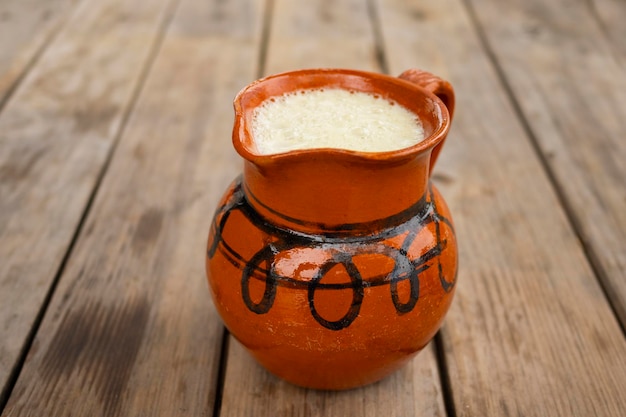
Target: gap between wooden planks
{"points": [[530, 332], [26, 28], [130, 329], [566, 69], [56, 134], [326, 34]]}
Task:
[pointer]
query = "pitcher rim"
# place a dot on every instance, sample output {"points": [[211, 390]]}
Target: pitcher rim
{"points": [[242, 130]]}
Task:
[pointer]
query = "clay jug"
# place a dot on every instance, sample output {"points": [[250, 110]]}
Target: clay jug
{"points": [[333, 268]]}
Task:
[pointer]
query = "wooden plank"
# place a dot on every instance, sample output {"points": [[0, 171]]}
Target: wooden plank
{"points": [[318, 34], [610, 16], [55, 135], [26, 27], [412, 391], [572, 92], [530, 332], [131, 330], [326, 34]]}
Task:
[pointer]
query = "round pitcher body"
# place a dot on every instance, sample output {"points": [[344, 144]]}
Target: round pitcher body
{"points": [[332, 310], [333, 268]]}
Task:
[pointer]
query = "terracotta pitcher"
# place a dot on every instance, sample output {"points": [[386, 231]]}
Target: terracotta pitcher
{"points": [[334, 267]]}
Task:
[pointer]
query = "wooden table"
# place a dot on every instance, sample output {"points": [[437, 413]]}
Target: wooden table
{"points": [[115, 124]]}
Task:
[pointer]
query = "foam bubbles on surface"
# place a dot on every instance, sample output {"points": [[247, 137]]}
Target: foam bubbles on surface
{"points": [[333, 118]]}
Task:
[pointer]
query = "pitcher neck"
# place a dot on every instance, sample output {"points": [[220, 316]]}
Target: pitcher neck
{"points": [[324, 195]]}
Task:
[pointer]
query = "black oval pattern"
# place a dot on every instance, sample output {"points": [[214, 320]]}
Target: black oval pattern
{"points": [[344, 248]]}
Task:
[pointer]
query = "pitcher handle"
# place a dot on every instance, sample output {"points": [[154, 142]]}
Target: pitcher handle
{"points": [[439, 87]]}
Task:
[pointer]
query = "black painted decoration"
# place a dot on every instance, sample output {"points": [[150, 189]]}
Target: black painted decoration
{"points": [[344, 248]]}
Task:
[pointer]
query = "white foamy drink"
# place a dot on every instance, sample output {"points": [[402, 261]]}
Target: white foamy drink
{"points": [[333, 118]]}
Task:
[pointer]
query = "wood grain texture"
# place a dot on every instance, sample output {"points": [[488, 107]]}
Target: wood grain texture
{"points": [[55, 135], [610, 16], [530, 332], [318, 34], [131, 330], [26, 27], [572, 92], [326, 34], [412, 391]]}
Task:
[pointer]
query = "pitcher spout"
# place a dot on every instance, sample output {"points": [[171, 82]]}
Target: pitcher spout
{"points": [[330, 190]]}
